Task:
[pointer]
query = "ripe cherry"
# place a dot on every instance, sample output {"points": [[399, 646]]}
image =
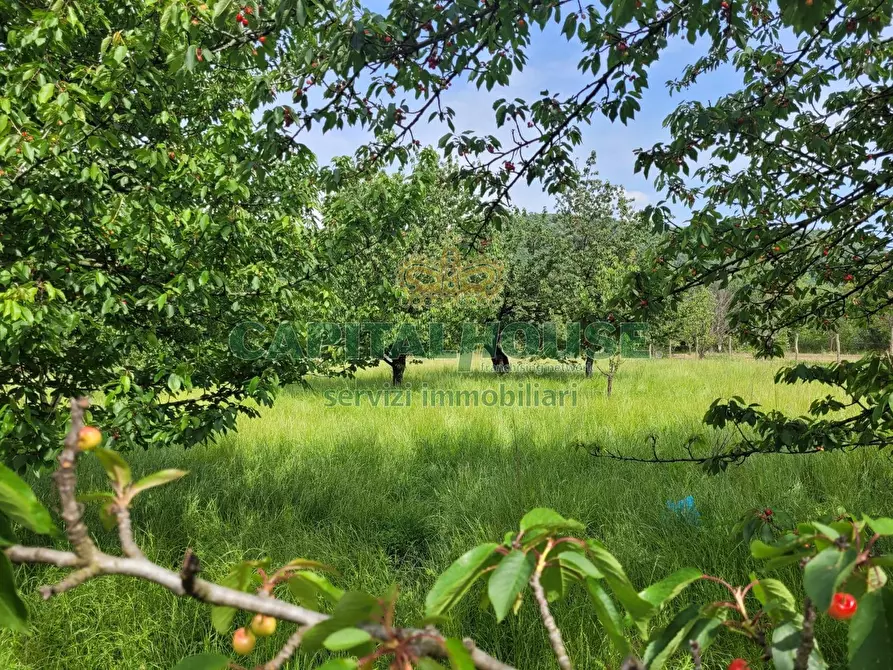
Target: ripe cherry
{"points": [[724, 4], [621, 46], [263, 626], [387, 39], [243, 641], [644, 303], [739, 664], [848, 278], [239, 17], [262, 39], [89, 437], [843, 606]]}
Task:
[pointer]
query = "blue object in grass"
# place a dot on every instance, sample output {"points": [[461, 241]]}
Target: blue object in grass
{"points": [[686, 509]]}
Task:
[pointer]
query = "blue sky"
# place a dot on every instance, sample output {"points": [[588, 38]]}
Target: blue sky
{"points": [[552, 65]]}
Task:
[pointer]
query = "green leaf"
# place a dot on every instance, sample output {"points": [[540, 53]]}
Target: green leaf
{"points": [[7, 536], [19, 504], [508, 580], [543, 518], [339, 664], [206, 661], [667, 641], [158, 479], [302, 583], [608, 616], [825, 572], [353, 608], [222, 617], [662, 592], [45, 93], [775, 597], [460, 658], [575, 562], [707, 629], [12, 610], [871, 632], [639, 608], [881, 526], [458, 578], [346, 638], [114, 464], [786, 640]]}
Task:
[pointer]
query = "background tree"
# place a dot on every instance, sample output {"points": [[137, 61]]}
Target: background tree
{"points": [[144, 216]]}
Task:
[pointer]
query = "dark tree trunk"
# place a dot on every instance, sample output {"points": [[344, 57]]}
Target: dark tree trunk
{"points": [[588, 367], [610, 388], [501, 364], [398, 367]]}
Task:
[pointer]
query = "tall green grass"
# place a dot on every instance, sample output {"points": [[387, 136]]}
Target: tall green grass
{"points": [[395, 494]]}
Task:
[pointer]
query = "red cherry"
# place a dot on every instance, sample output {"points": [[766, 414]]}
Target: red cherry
{"points": [[767, 511], [848, 278], [739, 664], [843, 606], [621, 46], [724, 4], [387, 39], [248, 10], [239, 17], [262, 39], [644, 303]]}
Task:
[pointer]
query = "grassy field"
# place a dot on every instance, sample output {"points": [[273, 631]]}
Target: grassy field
{"points": [[394, 494]]}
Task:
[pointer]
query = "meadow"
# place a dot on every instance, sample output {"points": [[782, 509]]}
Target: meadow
{"points": [[394, 494]]}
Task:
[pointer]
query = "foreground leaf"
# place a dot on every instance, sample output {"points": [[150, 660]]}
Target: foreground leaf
{"points": [[662, 592], [608, 616], [13, 614], [458, 578], [668, 640], [825, 572], [508, 580], [346, 638], [460, 658], [19, 504], [115, 466], [158, 479], [871, 632], [785, 643], [208, 661]]}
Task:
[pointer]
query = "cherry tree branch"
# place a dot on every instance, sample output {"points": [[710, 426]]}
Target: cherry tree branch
{"points": [[89, 561]]}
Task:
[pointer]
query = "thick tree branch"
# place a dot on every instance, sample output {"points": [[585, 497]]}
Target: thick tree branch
{"points": [[91, 562]]}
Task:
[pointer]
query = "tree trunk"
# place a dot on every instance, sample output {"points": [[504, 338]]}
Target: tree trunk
{"points": [[837, 346], [670, 349], [730, 345], [650, 352], [398, 367], [610, 383], [588, 368], [796, 346], [501, 364], [698, 347]]}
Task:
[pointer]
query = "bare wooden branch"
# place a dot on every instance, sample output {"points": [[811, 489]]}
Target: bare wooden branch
{"points": [[89, 562], [807, 638], [557, 642], [287, 651]]}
